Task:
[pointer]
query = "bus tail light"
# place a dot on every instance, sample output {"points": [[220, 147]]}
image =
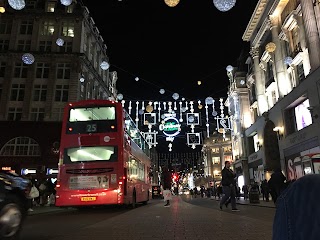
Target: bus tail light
{"points": [[58, 185], [120, 182]]}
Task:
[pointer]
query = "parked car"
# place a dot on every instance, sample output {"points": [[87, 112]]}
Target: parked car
{"points": [[13, 204]]}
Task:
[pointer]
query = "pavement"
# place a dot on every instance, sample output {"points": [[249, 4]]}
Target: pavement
{"points": [[241, 201]]}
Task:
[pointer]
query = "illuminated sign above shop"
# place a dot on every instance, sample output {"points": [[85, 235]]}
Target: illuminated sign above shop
{"points": [[170, 127]]}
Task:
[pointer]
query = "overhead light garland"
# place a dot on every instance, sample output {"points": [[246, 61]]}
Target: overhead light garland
{"points": [[172, 3]]}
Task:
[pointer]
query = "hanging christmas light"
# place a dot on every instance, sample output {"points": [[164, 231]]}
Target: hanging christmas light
{"points": [[172, 3], [175, 96], [288, 60], [60, 42], [229, 68], [209, 100], [17, 4], [224, 5], [120, 96], [66, 2], [104, 65], [28, 58]]}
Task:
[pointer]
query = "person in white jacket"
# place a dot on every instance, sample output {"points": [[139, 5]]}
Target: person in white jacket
{"points": [[34, 193]]}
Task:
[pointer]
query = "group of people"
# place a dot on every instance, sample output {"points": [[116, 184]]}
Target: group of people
{"points": [[41, 193]]}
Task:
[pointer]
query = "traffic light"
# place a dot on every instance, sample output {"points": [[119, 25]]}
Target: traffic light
{"points": [[175, 177]]}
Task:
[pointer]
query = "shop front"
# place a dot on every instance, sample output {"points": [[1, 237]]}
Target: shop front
{"points": [[256, 168], [302, 159]]}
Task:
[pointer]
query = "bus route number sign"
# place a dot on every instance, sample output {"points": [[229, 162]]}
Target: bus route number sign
{"points": [[91, 128]]}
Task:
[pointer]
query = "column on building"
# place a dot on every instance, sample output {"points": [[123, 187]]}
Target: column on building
{"points": [[303, 44], [281, 76], [310, 22], [259, 83], [50, 89]]}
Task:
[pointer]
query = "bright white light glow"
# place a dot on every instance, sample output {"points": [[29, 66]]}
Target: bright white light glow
{"points": [[17, 4], [66, 2], [28, 58]]}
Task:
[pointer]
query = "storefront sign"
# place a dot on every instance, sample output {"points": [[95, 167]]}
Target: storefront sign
{"points": [[170, 127]]}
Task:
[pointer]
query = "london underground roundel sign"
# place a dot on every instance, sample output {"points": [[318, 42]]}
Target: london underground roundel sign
{"points": [[170, 126]]}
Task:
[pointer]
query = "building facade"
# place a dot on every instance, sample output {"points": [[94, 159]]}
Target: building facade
{"points": [[279, 108], [216, 150], [63, 65]]}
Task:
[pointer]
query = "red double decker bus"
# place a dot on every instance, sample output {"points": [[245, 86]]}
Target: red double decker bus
{"points": [[104, 159]]}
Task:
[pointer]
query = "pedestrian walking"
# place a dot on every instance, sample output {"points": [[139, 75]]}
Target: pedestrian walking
{"points": [[265, 190], [228, 187], [166, 184], [245, 191]]}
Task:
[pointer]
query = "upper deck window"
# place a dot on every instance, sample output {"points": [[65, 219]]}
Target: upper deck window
{"points": [[90, 114], [89, 154]]}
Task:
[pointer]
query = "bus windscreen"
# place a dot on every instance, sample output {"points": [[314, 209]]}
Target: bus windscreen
{"points": [[91, 114], [90, 154]]}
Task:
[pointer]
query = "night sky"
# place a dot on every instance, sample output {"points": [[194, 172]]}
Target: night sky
{"points": [[171, 47]]}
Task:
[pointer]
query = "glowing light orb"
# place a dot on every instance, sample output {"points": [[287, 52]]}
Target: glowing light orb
{"points": [[120, 96], [270, 47], [66, 2], [209, 100], [200, 106], [162, 91], [183, 109], [2, 10], [17, 4], [137, 79], [28, 58], [288, 60], [224, 5], [191, 119], [149, 108], [229, 68], [60, 42], [104, 65], [172, 3], [82, 79], [199, 83], [175, 96]]}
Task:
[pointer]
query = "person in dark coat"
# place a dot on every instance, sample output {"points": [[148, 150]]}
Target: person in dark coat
{"points": [[228, 186], [276, 184], [166, 182]]}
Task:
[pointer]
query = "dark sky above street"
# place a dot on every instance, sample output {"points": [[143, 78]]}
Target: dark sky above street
{"points": [[171, 47]]}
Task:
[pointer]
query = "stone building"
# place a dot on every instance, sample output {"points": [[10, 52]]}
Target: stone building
{"points": [[277, 109], [65, 51]]}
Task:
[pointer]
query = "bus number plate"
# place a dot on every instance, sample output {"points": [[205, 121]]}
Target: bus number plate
{"points": [[88, 199]]}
